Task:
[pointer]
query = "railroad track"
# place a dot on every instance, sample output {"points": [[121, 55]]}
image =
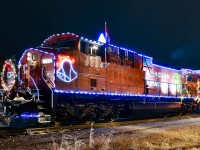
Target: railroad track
{"points": [[54, 135], [47, 130], [6, 132]]}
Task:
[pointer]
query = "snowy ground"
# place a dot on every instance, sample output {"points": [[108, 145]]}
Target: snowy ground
{"points": [[176, 134], [154, 125]]}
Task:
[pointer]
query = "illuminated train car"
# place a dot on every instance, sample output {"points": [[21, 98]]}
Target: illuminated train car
{"points": [[74, 78]]}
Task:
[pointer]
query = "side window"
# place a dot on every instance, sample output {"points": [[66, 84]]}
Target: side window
{"points": [[131, 57], [68, 43], [115, 51], [147, 62], [137, 61], [92, 50], [194, 80], [189, 78], [122, 54], [101, 53], [34, 56], [126, 55], [84, 47]]}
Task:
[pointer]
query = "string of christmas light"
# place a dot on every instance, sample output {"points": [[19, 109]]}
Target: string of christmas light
{"points": [[8, 72]]}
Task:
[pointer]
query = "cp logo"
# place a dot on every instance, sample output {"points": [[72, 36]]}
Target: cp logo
{"points": [[10, 75]]}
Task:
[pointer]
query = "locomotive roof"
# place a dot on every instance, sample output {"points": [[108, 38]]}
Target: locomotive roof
{"points": [[57, 36]]}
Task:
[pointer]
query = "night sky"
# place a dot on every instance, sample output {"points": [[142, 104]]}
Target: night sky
{"points": [[167, 30]]}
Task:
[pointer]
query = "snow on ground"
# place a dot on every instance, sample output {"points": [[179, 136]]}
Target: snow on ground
{"points": [[166, 124], [162, 125], [176, 134]]}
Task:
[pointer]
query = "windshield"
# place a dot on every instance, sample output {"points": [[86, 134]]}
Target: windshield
{"points": [[68, 43]]}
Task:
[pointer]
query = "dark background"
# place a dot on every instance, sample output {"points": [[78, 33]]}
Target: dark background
{"points": [[167, 30]]}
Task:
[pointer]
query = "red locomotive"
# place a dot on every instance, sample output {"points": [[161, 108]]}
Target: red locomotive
{"points": [[71, 78]]}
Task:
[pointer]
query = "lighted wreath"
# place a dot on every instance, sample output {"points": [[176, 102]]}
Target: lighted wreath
{"points": [[9, 75]]}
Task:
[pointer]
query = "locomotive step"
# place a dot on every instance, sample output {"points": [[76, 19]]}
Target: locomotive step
{"points": [[44, 118], [44, 121], [35, 93], [41, 101], [40, 107]]}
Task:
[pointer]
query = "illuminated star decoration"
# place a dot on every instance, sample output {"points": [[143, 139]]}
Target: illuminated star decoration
{"points": [[66, 71]]}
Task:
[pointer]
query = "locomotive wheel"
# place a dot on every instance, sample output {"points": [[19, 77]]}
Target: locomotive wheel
{"points": [[90, 113], [62, 115], [113, 116]]}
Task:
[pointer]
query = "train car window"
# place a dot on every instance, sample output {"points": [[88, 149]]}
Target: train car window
{"points": [[93, 82], [34, 56], [47, 44], [114, 51], [84, 47], [131, 56], [110, 50], [122, 54], [191, 79], [87, 48], [68, 43], [147, 62], [93, 49], [126, 55], [101, 53], [137, 61], [194, 79]]}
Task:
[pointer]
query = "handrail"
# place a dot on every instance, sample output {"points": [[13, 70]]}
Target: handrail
{"points": [[26, 72], [48, 86], [45, 76]]}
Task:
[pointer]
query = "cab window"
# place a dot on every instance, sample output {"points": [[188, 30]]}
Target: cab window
{"points": [[67, 44]]}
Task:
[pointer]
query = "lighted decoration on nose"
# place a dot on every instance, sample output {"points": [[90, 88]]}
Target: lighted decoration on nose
{"points": [[9, 75], [66, 71]]}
